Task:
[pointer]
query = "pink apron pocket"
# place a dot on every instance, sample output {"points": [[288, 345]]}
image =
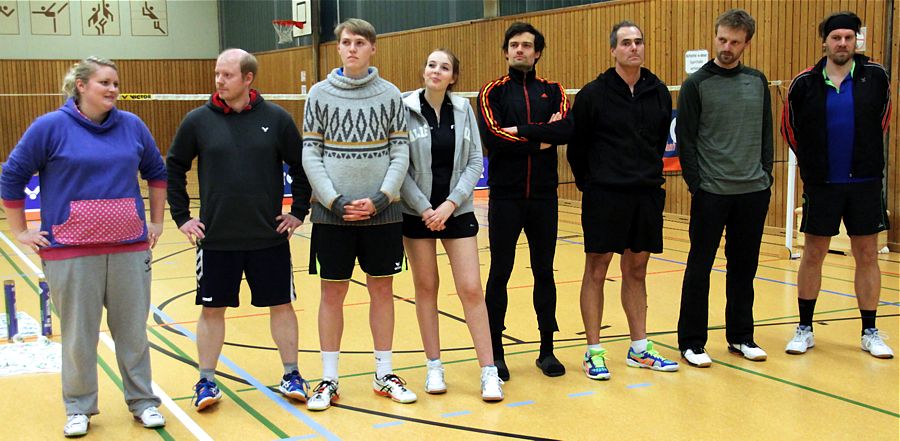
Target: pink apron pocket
{"points": [[100, 221]]}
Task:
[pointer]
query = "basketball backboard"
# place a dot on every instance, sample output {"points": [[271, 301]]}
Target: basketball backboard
{"points": [[302, 12]]}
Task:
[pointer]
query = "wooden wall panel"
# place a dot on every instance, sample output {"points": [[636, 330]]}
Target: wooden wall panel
{"points": [[43, 77]]}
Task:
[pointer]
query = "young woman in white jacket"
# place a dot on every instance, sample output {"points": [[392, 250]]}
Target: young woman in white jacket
{"points": [[445, 163]]}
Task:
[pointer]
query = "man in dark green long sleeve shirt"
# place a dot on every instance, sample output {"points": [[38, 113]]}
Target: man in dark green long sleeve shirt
{"points": [[725, 136]]}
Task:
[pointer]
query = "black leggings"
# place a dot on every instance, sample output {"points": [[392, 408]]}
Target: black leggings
{"points": [[507, 218]]}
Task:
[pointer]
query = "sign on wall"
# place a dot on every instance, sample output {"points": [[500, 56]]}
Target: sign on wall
{"points": [[9, 18], [50, 18], [861, 39], [149, 18], [694, 60], [100, 18]]}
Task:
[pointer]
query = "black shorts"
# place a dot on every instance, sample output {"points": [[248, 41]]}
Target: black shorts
{"points": [[335, 249], [860, 205], [457, 227], [269, 273], [616, 220]]}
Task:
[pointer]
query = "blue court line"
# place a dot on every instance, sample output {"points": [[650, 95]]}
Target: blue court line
{"points": [[635, 386], [843, 294], [454, 414], [253, 381], [581, 394], [387, 424], [766, 279], [520, 403], [298, 438]]}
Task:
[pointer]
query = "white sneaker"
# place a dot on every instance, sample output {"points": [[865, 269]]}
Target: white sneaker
{"points": [[491, 389], [393, 387], [151, 418], [323, 395], [697, 357], [749, 350], [803, 340], [434, 380], [76, 425], [873, 343]]}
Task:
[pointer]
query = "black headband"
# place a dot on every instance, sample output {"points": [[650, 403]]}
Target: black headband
{"points": [[841, 22]]}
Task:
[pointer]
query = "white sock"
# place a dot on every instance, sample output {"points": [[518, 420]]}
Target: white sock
{"points": [[594, 348], [488, 369], [434, 364], [639, 346], [330, 365], [383, 365]]}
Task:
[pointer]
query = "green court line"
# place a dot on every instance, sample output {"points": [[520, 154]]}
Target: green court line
{"points": [[243, 404], [115, 378], [798, 385], [21, 273]]}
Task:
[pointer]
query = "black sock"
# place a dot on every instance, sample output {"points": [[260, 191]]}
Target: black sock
{"points": [[868, 319], [497, 345], [807, 308], [546, 344]]}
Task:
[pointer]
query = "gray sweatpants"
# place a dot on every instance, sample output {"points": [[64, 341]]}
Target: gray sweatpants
{"points": [[80, 288]]}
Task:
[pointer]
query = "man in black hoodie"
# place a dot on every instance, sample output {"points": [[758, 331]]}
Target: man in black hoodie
{"points": [[521, 146], [241, 142], [621, 127]]}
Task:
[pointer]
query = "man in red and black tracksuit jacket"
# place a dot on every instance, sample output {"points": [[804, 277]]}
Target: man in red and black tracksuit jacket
{"points": [[834, 120], [523, 118]]}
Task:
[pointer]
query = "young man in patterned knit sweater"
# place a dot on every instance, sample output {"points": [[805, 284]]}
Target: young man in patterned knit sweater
{"points": [[355, 153]]}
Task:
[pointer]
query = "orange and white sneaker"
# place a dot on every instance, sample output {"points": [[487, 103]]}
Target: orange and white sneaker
{"points": [[393, 387], [325, 393]]}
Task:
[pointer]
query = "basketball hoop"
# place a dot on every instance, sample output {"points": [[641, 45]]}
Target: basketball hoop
{"points": [[285, 29]]}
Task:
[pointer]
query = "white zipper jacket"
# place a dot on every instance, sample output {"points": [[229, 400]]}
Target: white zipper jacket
{"points": [[467, 159]]}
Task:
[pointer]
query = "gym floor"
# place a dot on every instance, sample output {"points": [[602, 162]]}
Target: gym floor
{"points": [[835, 391]]}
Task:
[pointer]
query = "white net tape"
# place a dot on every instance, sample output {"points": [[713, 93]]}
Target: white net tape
{"points": [[268, 96]]}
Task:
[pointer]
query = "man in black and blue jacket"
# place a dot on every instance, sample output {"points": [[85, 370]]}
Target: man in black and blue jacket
{"points": [[834, 121]]}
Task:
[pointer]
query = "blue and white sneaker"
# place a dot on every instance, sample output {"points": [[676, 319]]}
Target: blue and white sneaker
{"points": [[294, 386], [650, 359], [206, 393], [594, 364]]}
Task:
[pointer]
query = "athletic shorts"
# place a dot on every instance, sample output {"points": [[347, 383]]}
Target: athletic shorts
{"points": [[616, 220], [457, 227], [860, 205], [269, 273], [335, 249]]}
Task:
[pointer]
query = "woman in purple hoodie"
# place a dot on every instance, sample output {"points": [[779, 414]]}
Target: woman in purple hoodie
{"points": [[94, 240]]}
